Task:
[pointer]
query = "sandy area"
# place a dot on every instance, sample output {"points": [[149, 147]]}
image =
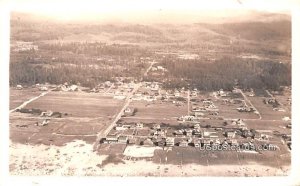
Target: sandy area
{"points": [[78, 159], [140, 151]]}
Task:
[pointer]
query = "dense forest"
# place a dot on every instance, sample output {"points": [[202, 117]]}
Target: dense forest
{"points": [[87, 53], [225, 73]]}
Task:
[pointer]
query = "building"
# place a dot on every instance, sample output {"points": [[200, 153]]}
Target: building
{"points": [[19, 87], [139, 125], [43, 88], [156, 126], [198, 114], [230, 134], [197, 126], [161, 142], [111, 138], [123, 139], [189, 132], [183, 143], [170, 142], [46, 114], [118, 128], [178, 133], [127, 110]]}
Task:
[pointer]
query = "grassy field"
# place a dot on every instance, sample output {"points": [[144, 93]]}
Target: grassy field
{"points": [[17, 97], [267, 111], [78, 104], [158, 110], [88, 114]]}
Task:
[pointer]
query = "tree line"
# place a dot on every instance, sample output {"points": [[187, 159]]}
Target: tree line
{"points": [[225, 73]]}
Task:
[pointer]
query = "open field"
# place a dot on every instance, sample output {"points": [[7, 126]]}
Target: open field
{"points": [[17, 97], [78, 104], [158, 110], [267, 111], [87, 114]]}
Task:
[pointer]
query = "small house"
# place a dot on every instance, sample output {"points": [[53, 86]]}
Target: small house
{"points": [[139, 125], [183, 143], [170, 142], [127, 110], [230, 134], [19, 87]]}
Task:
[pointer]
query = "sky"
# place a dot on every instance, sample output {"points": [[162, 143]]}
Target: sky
{"points": [[137, 10]]}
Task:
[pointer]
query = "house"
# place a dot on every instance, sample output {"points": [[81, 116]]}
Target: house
{"points": [[120, 127], [43, 88], [156, 126], [161, 142], [188, 132], [198, 114], [197, 132], [123, 139], [170, 142], [206, 134], [186, 118], [178, 132], [197, 126], [127, 110], [47, 113], [19, 87], [113, 138], [248, 134], [230, 134], [183, 143], [262, 136], [139, 125], [217, 142], [221, 93], [73, 88]]}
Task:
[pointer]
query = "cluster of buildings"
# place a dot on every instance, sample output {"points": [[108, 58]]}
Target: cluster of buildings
{"points": [[195, 136]]}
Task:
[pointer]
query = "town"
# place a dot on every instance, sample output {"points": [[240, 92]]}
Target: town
{"points": [[209, 102]]}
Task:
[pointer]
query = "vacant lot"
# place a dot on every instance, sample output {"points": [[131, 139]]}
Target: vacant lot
{"points": [[267, 111], [78, 104], [158, 110], [230, 111], [87, 114]]}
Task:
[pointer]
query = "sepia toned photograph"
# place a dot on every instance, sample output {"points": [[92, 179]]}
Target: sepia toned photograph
{"points": [[141, 89]]}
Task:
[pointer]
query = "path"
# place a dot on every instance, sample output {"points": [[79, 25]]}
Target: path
{"points": [[30, 100]]}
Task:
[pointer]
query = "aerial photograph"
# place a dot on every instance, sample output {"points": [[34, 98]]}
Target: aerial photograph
{"points": [[154, 92]]}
